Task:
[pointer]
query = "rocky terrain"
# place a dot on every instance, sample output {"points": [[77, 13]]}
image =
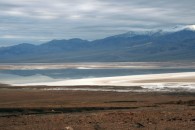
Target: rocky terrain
{"points": [[22, 109]]}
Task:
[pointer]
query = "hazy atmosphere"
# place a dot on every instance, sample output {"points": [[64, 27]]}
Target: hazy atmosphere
{"points": [[38, 21], [97, 65]]}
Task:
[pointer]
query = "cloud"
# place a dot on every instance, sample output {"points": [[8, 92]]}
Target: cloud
{"points": [[40, 20]]}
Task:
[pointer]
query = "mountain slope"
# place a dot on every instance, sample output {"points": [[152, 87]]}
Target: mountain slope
{"points": [[176, 43]]}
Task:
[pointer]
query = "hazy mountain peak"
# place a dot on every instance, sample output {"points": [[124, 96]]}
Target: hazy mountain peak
{"points": [[180, 28], [158, 31], [191, 27], [25, 44]]}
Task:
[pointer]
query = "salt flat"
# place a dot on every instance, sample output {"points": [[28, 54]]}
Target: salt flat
{"points": [[185, 77], [150, 82]]}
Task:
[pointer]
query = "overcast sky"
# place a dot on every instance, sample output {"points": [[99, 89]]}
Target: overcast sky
{"points": [[38, 21]]}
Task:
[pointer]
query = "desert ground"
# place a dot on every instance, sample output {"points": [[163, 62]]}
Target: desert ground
{"points": [[29, 108]]}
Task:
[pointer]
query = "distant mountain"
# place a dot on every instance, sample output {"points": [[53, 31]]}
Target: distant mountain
{"points": [[177, 43]]}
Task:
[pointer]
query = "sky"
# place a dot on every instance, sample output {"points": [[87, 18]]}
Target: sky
{"points": [[39, 21]]}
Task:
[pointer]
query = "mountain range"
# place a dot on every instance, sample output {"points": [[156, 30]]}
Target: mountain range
{"points": [[169, 44]]}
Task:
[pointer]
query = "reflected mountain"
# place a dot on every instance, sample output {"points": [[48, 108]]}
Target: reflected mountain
{"points": [[88, 73]]}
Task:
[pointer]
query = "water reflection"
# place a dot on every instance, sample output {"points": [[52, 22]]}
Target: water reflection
{"points": [[84, 73]]}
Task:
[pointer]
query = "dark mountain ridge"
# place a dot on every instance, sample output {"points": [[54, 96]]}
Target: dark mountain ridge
{"points": [[130, 46]]}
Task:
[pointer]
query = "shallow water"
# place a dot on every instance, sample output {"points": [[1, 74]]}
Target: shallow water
{"points": [[43, 73]]}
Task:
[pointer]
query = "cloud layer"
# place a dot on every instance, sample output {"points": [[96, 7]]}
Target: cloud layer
{"points": [[36, 21]]}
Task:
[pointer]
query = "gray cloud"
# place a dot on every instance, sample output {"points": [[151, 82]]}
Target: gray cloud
{"points": [[42, 20]]}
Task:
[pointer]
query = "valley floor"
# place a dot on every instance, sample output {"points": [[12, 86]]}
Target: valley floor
{"points": [[35, 109]]}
